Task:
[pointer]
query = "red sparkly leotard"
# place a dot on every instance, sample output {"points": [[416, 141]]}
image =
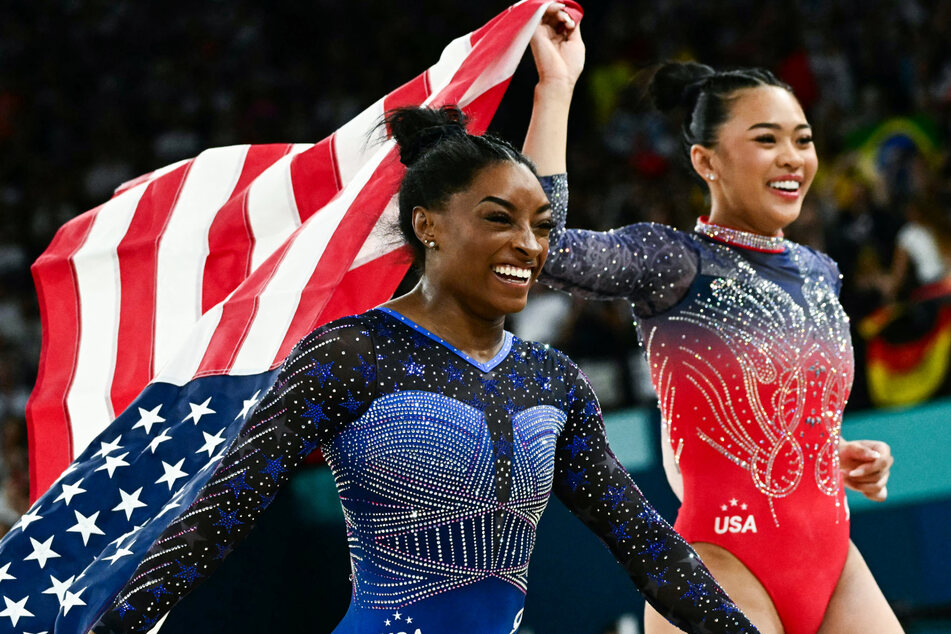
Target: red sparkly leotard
{"points": [[751, 358]]}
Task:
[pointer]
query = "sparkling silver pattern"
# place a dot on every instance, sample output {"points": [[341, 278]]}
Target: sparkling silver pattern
{"points": [[768, 244]]}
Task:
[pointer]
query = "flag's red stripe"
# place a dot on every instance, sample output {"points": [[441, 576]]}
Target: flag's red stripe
{"points": [[230, 243], [47, 417], [316, 178], [342, 248], [138, 264], [382, 275], [412, 93]]}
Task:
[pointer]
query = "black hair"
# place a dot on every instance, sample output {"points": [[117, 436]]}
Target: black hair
{"points": [[704, 96], [441, 159]]}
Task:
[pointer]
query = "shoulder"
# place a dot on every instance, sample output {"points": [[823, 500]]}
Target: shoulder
{"points": [[337, 336], [546, 358], [813, 261]]}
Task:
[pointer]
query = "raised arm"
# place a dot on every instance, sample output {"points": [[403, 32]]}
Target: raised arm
{"points": [[558, 51], [639, 262], [591, 482], [322, 386]]}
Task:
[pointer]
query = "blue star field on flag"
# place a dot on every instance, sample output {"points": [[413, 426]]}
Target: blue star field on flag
{"points": [[71, 553]]}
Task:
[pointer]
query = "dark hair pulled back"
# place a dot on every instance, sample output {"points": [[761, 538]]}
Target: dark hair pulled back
{"points": [[441, 159], [704, 95]]}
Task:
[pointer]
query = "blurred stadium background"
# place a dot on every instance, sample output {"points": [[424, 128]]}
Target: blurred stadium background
{"points": [[93, 93]]}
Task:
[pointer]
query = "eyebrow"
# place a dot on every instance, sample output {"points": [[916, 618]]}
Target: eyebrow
{"points": [[776, 126], [504, 203]]}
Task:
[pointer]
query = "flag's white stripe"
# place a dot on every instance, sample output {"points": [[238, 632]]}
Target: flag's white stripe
{"points": [[183, 366], [184, 246], [382, 238], [97, 277], [279, 300], [452, 57], [502, 66], [272, 208], [358, 139]]}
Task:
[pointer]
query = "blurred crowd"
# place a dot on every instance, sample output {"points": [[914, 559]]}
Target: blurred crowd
{"points": [[94, 93]]}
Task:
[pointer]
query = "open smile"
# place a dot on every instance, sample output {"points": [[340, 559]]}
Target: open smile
{"points": [[787, 188], [514, 275]]}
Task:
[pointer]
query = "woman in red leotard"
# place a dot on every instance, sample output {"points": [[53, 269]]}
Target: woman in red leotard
{"points": [[748, 346]]}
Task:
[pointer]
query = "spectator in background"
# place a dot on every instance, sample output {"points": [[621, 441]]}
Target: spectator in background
{"points": [[922, 254]]}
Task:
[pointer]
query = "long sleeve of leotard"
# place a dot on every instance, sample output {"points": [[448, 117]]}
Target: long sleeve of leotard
{"points": [[591, 482], [650, 264], [326, 382]]}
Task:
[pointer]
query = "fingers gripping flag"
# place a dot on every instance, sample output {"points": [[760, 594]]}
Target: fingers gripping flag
{"points": [[174, 303]]}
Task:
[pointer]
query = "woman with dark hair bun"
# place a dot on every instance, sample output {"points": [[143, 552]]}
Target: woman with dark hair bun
{"points": [[748, 347], [445, 434]]}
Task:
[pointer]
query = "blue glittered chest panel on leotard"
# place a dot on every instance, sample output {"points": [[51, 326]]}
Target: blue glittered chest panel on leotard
{"points": [[445, 492], [417, 480]]}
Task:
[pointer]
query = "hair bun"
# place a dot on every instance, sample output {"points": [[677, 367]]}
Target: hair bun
{"points": [[416, 130], [675, 84]]}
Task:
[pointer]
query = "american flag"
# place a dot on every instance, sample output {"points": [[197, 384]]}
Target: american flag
{"points": [[174, 302]]}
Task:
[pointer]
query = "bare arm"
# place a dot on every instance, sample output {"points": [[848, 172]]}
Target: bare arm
{"points": [[559, 57]]}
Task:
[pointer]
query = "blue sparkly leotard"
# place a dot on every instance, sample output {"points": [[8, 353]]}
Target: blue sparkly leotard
{"points": [[444, 466], [750, 355]]}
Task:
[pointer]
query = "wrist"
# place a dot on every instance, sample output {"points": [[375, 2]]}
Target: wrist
{"points": [[555, 88]]}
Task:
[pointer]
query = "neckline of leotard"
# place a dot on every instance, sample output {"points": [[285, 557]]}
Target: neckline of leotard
{"points": [[742, 239], [488, 366]]}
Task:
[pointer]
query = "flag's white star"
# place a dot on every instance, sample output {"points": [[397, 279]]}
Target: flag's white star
{"points": [[149, 417], [248, 406], [397, 615], [120, 552], [409, 620], [211, 442], [733, 501], [85, 526], [743, 506], [172, 473], [42, 551], [213, 461], [199, 410], [26, 519], [113, 463], [130, 502], [4, 575], [16, 609], [72, 599], [121, 538], [107, 448], [72, 467], [59, 588], [158, 440], [69, 490], [168, 507], [386, 622]]}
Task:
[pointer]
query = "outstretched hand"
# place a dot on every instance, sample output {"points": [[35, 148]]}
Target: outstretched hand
{"points": [[865, 466], [557, 47]]}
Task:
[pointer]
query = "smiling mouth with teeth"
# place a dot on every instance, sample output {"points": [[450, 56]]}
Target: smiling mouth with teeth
{"points": [[785, 186], [513, 273]]}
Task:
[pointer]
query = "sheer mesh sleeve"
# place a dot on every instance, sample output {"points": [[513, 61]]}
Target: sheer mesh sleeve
{"points": [[591, 482], [650, 264], [324, 384]]}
